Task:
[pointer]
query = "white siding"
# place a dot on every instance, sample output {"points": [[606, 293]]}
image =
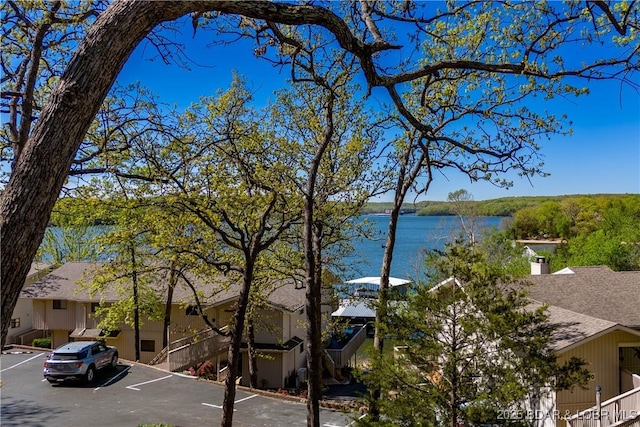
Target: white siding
{"points": [[22, 313]]}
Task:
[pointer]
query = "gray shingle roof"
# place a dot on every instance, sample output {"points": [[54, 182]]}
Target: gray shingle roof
{"points": [[65, 283], [37, 267], [574, 328], [594, 291], [62, 283]]}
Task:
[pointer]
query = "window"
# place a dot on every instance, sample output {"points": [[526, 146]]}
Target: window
{"points": [[147, 345], [301, 347], [59, 304], [15, 323], [99, 348], [94, 306], [193, 310]]}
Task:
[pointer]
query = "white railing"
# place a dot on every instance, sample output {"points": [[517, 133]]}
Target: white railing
{"points": [[341, 356], [622, 410], [191, 350]]}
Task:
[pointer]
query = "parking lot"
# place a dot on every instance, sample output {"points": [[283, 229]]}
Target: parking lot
{"points": [[134, 394]]}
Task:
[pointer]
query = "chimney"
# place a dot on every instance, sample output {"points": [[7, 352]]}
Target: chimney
{"points": [[539, 266]]}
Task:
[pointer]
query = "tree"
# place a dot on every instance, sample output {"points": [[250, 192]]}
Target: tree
{"points": [[36, 46], [220, 175], [335, 145], [67, 244], [468, 345], [524, 46], [465, 210], [611, 237]]}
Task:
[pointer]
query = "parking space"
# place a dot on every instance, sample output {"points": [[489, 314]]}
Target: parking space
{"points": [[134, 394]]}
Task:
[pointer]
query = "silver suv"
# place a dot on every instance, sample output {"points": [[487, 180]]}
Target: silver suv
{"points": [[79, 361]]}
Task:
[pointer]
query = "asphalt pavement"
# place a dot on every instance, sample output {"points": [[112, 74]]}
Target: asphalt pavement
{"points": [[135, 394]]}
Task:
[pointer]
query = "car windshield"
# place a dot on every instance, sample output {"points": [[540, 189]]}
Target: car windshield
{"points": [[68, 356]]}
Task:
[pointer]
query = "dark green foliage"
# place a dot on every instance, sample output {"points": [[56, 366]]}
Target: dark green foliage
{"points": [[607, 232], [471, 346], [42, 342]]}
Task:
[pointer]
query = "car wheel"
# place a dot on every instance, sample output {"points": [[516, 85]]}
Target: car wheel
{"points": [[114, 361], [90, 375]]}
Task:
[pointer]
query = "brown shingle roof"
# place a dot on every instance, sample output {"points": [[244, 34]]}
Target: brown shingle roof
{"points": [[64, 283], [594, 291]]}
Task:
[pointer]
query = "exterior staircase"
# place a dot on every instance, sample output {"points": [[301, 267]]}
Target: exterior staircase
{"points": [[620, 411], [189, 351]]}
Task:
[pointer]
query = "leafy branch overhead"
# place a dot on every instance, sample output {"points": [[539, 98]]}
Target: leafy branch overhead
{"points": [[454, 82]]}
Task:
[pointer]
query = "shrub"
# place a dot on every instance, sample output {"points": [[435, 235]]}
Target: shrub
{"points": [[41, 342], [204, 370]]}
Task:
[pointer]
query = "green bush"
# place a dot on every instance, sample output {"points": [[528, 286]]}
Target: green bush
{"points": [[41, 342]]}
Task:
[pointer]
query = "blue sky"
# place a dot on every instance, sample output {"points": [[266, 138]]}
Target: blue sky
{"points": [[601, 156]]}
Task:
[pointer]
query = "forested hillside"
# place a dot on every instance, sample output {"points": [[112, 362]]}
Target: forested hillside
{"points": [[505, 206]]}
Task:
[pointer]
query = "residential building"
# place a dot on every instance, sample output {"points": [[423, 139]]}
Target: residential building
{"points": [[64, 308], [22, 317], [611, 353], [598, 311]]}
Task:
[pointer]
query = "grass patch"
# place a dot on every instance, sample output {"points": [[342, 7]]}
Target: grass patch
{"points": [[363, 354]]}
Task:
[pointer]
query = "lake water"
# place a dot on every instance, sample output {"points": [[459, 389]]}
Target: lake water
{"points": [[415, 234]]}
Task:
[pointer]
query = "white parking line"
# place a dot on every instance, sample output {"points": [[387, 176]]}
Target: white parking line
{"points": [[359, 418], [24, 361], [246, 398], [214, 406], [237, 401], [133, 386], [114, 378]]}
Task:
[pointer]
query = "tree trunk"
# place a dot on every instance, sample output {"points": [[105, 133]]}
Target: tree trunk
{"points": [[382, 306], [173, 278], [315, 381], [383, 297], [314, 320], [251, 353], [136, 303], [234, 350]]}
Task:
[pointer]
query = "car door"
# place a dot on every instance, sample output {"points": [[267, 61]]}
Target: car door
{"points": [[99, 353]]}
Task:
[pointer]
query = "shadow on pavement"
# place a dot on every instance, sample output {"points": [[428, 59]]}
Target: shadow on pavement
{"points": [[103, 378], [20, 413]]}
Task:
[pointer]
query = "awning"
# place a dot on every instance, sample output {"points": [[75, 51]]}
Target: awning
{"points": [[355, 309], [393, 281], [94, 334]]}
